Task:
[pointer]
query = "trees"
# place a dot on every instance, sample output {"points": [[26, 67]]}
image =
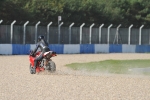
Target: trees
{"points": [[134, 11], [78, 11], [10, 11]]}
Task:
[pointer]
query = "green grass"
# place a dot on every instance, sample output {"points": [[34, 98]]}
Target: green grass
{"points": [[111, 66]]}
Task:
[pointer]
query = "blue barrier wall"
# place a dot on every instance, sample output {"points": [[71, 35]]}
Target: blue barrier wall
{"points": [[142, 48], [87, 48], [59, 48], [20, 49], [115, 48]]}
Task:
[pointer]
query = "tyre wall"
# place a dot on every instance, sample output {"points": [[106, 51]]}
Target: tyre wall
{"points": [[20, 49]]}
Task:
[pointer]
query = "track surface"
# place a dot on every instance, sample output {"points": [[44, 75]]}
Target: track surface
{"points": [[16, 83]]}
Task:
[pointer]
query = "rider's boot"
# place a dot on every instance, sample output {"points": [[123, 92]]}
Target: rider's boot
{"points": [[34, 68]]}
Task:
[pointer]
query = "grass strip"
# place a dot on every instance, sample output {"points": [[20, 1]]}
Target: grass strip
{"points": [[111, 66]]}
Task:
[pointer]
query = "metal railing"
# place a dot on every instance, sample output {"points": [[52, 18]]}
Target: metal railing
{"points": [[25, 34]]}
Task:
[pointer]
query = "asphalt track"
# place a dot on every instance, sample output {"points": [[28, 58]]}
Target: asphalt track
{"points": [[16, 83]]}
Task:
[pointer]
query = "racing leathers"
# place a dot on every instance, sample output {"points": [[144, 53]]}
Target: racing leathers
{"points": [[43, 45]]}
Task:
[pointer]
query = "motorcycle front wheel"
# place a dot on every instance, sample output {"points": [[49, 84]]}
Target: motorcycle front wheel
{"points": [[52, 66]]}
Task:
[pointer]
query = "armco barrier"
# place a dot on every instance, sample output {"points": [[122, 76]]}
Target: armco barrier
{"points": [[21, 49]]}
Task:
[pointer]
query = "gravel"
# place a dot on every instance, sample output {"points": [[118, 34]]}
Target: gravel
{"points": [[16, 82]]}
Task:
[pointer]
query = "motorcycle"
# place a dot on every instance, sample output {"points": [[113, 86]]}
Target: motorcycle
{"points": [[45, 63]]}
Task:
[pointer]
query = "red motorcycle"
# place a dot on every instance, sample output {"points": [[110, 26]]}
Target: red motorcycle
{"points": [[45, 63]]}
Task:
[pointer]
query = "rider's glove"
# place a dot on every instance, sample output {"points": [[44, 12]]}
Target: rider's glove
{"points": [[53, 52], [31, 54]]}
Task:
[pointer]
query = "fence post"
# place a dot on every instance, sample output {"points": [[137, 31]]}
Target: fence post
{"points": [[1, 21], [70, 32], [140, 31], [59, 32], [48, 31], [90, 33], [117, 32], [36, 31], [129, 34], [81, 32], [108, 33], [100, 33], [11, 31], [24, 32]]}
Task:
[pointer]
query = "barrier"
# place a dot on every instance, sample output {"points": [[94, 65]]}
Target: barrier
{"points": [[142, 48], [6, 49], [71, 49], [59, 48], [19, 49], [128, 48], [23, 49], [115, 48], [101, 48], [87, 48]]}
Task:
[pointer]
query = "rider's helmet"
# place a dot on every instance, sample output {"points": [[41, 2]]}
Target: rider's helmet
{"points": [[40, 37]]}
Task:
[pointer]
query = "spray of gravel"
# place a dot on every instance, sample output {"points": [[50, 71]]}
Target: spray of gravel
{"points": [[79, 72], [139, 71], [136, 72]]}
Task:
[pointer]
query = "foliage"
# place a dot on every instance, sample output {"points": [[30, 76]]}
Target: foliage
{"points": [[78, 11]]}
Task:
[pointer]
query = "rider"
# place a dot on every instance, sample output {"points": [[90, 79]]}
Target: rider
{"points": [[43, 45]]}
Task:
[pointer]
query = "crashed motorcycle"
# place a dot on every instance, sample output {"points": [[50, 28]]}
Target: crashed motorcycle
{"points": [[45, 63]]}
